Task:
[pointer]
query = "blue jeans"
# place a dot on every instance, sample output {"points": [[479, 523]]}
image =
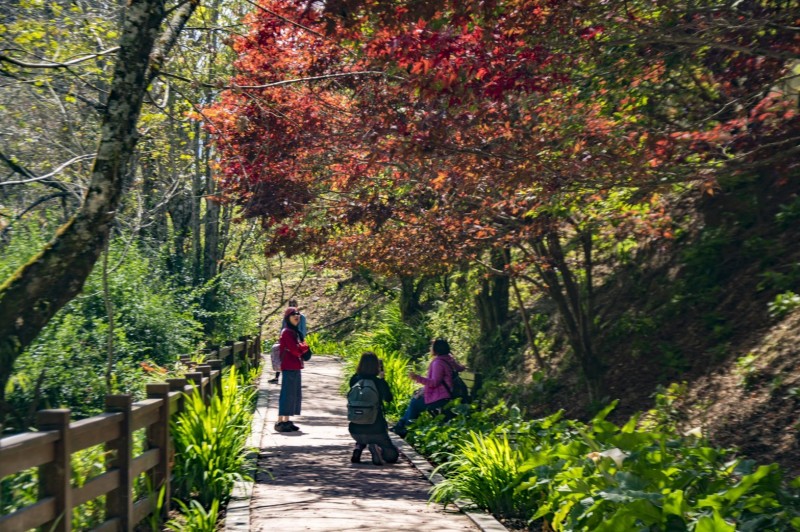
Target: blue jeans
{"points": [[415, 408]]}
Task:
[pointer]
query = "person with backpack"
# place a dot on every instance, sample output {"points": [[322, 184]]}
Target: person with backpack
{"points": [[368, 427], [437, 388], [293, 350]]}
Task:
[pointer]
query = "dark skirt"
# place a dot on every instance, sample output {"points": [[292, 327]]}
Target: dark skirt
{"points": [[291, 393]]}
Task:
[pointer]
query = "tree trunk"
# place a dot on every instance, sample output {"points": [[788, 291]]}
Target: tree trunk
{"points": [[155, 228], [492, 306], [179, 206], [211, 256], [35, 292], [197, 191], [575, 304], [493, 298], [180, 211], [410, 293], [544, 366]]}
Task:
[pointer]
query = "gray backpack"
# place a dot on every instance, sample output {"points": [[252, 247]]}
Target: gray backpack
{"points": [[275, 356], [363, 402]]}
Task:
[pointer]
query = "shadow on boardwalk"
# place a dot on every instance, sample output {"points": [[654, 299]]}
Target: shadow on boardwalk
{"points": [[305, 480]]}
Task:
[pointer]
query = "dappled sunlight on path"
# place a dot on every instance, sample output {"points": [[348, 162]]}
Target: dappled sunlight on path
{"points": [[305, 480]]}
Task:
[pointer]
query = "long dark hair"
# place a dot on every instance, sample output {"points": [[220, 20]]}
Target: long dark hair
{"points": [[369, 365], [440, 347], [286, 323]]}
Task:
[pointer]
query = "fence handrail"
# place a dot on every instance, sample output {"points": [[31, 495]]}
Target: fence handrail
{"points": [[51, 448]]}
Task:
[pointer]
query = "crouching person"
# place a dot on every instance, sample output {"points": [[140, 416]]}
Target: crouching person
{"points": [[368, 427]]}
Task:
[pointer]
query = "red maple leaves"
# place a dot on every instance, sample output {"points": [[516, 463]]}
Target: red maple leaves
{"points": [[426, 132]]}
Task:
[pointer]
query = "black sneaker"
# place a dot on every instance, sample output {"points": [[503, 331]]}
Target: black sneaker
{"points": [[356, 458], [375, 451], [283, 426], [292, 426]]}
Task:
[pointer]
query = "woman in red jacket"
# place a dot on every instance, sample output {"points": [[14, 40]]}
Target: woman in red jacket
{"points": [[292, 349]]}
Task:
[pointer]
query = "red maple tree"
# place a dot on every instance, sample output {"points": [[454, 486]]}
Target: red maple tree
{"points": [[411, 138]]}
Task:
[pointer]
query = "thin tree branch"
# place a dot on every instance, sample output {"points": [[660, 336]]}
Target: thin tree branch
{"points": [[279, 83], [56, 64], [169, 37], [46, 176]]}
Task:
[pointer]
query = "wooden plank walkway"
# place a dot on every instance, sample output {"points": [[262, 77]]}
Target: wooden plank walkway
{"points": [[305, 480]]}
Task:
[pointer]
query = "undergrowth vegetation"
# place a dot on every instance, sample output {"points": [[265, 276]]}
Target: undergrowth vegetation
{"points": [[210, 450], [209, 442], [602, 477], [156, 318], [567, 475]]}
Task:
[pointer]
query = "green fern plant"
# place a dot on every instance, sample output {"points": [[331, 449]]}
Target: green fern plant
{"points": [[210, 442], [486, 471], [195, 518]]}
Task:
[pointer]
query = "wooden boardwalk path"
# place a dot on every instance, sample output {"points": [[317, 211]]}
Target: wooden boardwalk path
{"points": [[305, 480]]}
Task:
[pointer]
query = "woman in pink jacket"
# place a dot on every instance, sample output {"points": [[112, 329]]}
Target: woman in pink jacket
{"points": [[437, 386]]}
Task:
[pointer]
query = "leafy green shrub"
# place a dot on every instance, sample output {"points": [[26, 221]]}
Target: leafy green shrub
{"points": [[388, 330], [233, 302], [602, 477], [780, 281], [66, 365], [320, 346], [19, 490], [702, 278], [454, 320], [195, 518], [437, 439], [396, 366], [210, 442], [747, 370], [487, 471], [789, 213], [783, 304]]}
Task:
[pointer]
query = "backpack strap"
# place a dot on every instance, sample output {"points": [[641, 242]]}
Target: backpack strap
{"points": [[453, 372]]}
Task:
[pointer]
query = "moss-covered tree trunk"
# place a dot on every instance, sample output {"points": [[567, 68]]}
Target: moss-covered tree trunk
{"points": [[33, 294]]}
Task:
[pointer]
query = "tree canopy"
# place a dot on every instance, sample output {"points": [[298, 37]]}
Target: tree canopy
{"points": [[409, 139]]}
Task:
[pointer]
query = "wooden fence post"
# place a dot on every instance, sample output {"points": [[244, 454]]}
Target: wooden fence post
{"points": [[213, 352], [119, 501], [257, 353], [216, 369], [55, 476], [205, 371], [245, 350], [197, 378], [158, 438], [231, 344], [178, 385]]}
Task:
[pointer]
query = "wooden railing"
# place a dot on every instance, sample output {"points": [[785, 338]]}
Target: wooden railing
{"points": [[57, 439]]}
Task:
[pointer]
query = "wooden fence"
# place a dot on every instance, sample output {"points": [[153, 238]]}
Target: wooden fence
{"points": [[51, 448]]}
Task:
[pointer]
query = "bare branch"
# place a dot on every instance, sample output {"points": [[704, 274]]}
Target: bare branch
{"points": [[169, 38], [313, 78], [293, 23], [279, 83], [56, 64], [51, 174]]}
